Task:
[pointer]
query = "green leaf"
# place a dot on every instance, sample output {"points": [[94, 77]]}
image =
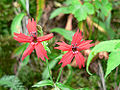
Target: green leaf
{"points": [[104, 6], [83, 11], [16, 23], [69, 2], [97, 4], [105, 9], [43, 83], [45, 74], [108, 46], [74, 6], [105, 25], [11, 82], [25, 61], [23, 3], [110, 31], [117, 46], [67, 34], [63, 87], [58, 11], [84, 89], [19, 50], [113, 62]]}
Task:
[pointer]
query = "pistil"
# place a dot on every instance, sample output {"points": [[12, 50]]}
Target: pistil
{"points": [[74, 48]]}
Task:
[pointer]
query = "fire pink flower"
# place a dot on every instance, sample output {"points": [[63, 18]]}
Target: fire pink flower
{"points": [[35, 42], [77, 45]]}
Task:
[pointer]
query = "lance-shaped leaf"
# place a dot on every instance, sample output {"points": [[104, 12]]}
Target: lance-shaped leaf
{"points": [[43, 83], [16, 23], [113, 62], [67, 34], [63, 87]]}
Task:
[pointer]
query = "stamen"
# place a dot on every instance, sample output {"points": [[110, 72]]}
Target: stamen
{"points": [[34, 39], [74, 48]]}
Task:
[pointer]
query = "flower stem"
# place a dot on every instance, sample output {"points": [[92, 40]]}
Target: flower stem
{"points": [[59, 74], [49, 70]]}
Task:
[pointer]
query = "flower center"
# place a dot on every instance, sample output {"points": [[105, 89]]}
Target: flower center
{"points": [[74, 48], [34, 39], [34, 35]]}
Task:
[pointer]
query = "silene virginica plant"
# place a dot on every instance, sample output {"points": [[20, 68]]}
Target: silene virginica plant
{"points": [[77, 45]]}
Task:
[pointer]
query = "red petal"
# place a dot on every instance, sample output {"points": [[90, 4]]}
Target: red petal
{"points": [[31, 26], [77, 37], [85, 45], [44, 38], [22, 37], [80, 59], [63, 46], [67, 58], [41, 51], [28, 51]]}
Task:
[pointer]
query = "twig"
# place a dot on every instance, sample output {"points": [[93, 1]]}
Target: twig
{"points": [[69, 23], [116, 72], [96, 25], [27, 7], [119, 87], [101, 74]]}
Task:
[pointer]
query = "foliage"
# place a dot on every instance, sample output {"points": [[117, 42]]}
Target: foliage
{"points": [[6, 16], [104, 6], [43, 83], [67, 34], [23, 3], [45, 74], [108, 46], [74, 6], [63, 87], [113, 61], [11, 82], [16, 24]]}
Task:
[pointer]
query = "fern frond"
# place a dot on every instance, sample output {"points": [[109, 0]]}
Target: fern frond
{"points": [[11, 82]]}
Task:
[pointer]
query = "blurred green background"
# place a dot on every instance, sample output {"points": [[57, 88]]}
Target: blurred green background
{"points": [[33, 72]]}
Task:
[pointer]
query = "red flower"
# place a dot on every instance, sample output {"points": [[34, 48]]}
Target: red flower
{"points": [[35, 42], [77, 45]]}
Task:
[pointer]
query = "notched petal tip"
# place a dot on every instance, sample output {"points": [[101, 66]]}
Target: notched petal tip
{"points": [[15, 33], [78, 30], [60, 62], [63, 65], [93, 44], [31, 26], [23, 58], [55, 47], [57, 43]]}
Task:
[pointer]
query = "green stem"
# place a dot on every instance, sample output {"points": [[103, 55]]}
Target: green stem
{"points": [[59, 74], [90, 34], [49, 70]]}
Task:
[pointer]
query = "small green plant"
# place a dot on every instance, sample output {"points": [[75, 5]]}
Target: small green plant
{"points": [[11, 82]]}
